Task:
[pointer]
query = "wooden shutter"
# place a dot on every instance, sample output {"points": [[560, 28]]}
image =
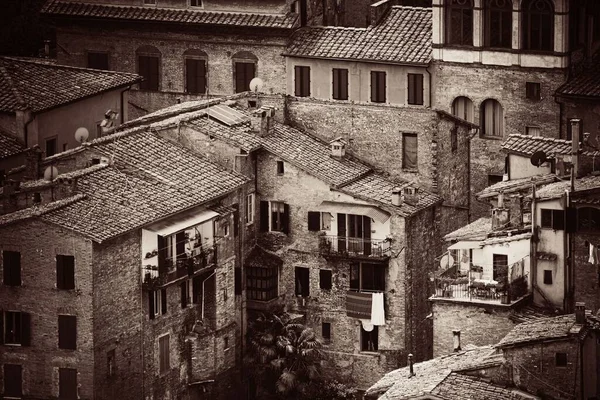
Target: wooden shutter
{"points": [[69, 272], [184, 294], [25, 329], [13, 380], [163, 301], [191, 75], [341, 229], [367, 235], [411, 88], [382, 87], [343, 84], [264, 216], [314, 221], [151, 310], [60, 272], [298, 81], [202, 84], [153, 73], [374, 97], [336, 83], [67, 383], [238, 280], [306, 81], [418, 89], [410, 151], [285, 219]]}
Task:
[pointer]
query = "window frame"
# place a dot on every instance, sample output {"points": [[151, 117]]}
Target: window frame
{"points": [[376, 79], [415, 97], [328, 279], [533, 91], [302, 81], [67, 282], [9, 277], [465, 104], [164, 358], [199, 3], [250, 208], [280, 167], [548, 277], [276, 224], [46, 143], [16, 337], [326, 328], [533, 131], [556, 219], [527, 14], [466, 31], [357, 278], [243, 61], [145, 84], [67, 332], [300, 274], [9, 394], [338, 90], [363, 335], [497, 119], [186, 75], [269, 283], [491, 8], [405, 165]]}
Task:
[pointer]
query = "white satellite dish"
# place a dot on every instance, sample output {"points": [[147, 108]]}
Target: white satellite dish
{"points": [[82, 134], [256, 85], [446, 261], [50, 173]]}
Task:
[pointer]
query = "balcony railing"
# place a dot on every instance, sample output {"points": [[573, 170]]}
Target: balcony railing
{"points": [[170, 270], [354, 247]]}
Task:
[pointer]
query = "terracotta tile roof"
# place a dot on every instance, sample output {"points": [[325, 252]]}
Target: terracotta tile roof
{"points": [[151, 178], [10, 145], [41, 86], [379, 188], [62, 8], [586, 84], [539, 329], [404, 36], [530, 313], [38, 210], [476, 230], [398, 384], [557, 189], [238, 136], [460, 387], [516, 185], [312, 156], [258, 257], [527, 145]]}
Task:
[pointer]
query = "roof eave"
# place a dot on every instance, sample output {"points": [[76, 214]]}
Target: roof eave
{"points": [[403, 63]]}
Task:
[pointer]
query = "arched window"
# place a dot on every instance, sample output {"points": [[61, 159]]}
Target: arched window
{"points": [[462, 107], [538, 25], [195, 71], [148, 66], [498, 23], [492, 118], [244, 70], [588, 219], [459, 22]]}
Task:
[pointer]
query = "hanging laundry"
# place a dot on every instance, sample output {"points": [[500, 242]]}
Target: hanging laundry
{"points": [[593, 254], [377, 311], [367, 325]]}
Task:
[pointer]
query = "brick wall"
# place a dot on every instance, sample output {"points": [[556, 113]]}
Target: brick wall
{"points": [[479, 325], [39, 243], [586, 275]]}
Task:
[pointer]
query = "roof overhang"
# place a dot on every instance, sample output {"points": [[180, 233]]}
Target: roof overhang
{"points": [[180, 222], [466, 245], [358, 209]]}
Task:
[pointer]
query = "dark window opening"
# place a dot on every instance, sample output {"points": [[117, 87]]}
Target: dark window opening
{"points": [[65, 272], [340, 84], [369, 340], [372, 277], [195, 76], [301, 81], [454, 139], [13, 380], [15, 328], [533, 90], [561, 359], [148, 68], [302, 281], [459, 22], [244, 73], [238, 280], [196, 3], [11, 265], [538, 25], [97, 60], [164, 354], [280, 168], [553, 219], [588, 219], [185, 293], [500, 266], [498, 23], [493, 179], [415, 89], [314, 221], [326, 331], [67, 332], [226, 342], [409, 151], [67, 383], [325, 276], [378, 87], [51, 147], [547, 277], [262, 283]]}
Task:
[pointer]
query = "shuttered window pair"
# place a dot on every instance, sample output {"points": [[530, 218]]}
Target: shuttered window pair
{"points": [[195, 76], [378, 87], [302, 81], [274, 216]]}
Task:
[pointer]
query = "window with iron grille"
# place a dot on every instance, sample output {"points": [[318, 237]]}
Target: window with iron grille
{"points": [[262, 282]]}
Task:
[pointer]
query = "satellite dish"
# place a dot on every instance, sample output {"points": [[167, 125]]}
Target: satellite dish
{"points": [[50, 173], [538, 158], [256, 85], [82, 134], [447, 261]]}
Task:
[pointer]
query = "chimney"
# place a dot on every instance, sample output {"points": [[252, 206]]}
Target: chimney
{"points": [[33, 161], [410, 365], [456, 340], [580, 313], [378, 10], [261, 121], [397, 198], [575, 124], [500, 218], [66, 187], [338, 147], [411, 195]]}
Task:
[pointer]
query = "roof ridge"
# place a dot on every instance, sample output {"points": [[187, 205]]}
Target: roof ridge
{"points": [[538, 138], [69, 67], [400, 6]]}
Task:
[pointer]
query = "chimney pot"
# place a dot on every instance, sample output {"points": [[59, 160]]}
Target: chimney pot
{"points": [[456, 340], [397, 198], [410, 365], [580, 313]]}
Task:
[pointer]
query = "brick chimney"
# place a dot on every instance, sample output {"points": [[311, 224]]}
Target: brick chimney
{"points": [[338, 147], [261, 121], [66, 187], [397, 198], [411, 195], [456, 340], [33, 162], [580, 313], [378, 10]]}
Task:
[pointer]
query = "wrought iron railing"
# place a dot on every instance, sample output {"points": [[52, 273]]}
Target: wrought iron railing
{"points": [[186, 265], [354, 247]]}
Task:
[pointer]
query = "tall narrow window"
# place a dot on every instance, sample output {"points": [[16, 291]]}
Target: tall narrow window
{"points": [[13, 381], [369, 340], [498, 23], [51, 146], [326, 331], [195, 71], [65, 272], [462, 107], [302, 281], [164, 354], [11, 266], [378, 87], [538, 25], [148, 62], [415, 89], [279, 217], [67, 332], [492, 118], [340, 84], [111, 363], [244, 65], [459, 22], [250, 208], [67, 383], [15, 328], [97, 60], [409, 151], [301, 81], [500, 266]]}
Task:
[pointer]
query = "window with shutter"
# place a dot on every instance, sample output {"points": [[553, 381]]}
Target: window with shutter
{"points": [[65, 272], [11, 265], [415, 89], [302, 281], [97, 60], [13, 380], [340, 84], [67, 332], [378, 87], [325, 279], [326, 331], [409, 151], [148, 68], [244, 73], [67, 383], [314, 221], [279, 217], [151, 307], [302, 81], [164, 354], [195, 76]]}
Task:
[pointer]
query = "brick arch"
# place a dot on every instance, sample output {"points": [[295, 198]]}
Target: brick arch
{"points": [[147, 49], [463, 107], [244, 55], [195, 53]]}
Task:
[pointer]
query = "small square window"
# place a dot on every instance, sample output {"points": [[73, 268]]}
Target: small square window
{"points": [[326, 331], [561, 359], [493, 179], [533, 90], [325, 279], [280, 168], [547, 277]]}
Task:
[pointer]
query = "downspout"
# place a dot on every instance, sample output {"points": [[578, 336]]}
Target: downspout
{"points": [[430, 85], [568, 260], [469, 178], [533, 258], [142, 340]]}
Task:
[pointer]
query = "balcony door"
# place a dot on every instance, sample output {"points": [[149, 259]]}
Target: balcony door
{"points": [[354, 233], [500, 264]]}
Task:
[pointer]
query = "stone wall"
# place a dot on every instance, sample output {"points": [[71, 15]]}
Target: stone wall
{"points": [[586, 275]]}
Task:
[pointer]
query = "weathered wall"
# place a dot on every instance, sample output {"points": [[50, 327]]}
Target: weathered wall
{"points": [[39, 243], [586, 274]]}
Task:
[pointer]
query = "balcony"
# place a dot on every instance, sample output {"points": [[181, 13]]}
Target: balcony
{"points": [[453, 285], [349, 247], [187, 265]]}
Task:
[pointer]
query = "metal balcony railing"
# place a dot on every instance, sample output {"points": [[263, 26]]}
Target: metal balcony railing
{"points": [[354, 247], [170, 270]]}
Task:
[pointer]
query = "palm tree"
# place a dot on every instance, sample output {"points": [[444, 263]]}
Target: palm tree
{"points": [[283, 356]]}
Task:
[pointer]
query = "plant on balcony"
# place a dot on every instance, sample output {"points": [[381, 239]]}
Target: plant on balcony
{"points": [[477, 268], [518, 288], [324, 243]]}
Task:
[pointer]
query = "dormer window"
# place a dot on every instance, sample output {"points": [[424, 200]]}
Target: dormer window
{"points": [[498, 23], [459, 22], [538, 25], [338, 147]]}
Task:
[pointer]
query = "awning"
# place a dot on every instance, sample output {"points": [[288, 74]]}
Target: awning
{"points": [[181, 221], [465, 245], [358, 209]]}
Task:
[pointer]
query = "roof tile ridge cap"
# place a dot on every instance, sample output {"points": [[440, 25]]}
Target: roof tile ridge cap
{"points": [[405, 7], [58, 204], [20, 101], [83, 171]]}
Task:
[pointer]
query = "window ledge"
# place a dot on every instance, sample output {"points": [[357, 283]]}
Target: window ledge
{"points": [[415, 170], [369, 353]]}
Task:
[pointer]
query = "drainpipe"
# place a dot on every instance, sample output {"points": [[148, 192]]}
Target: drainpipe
{"points": [[568, 260], [430, 86], [533, 258]]}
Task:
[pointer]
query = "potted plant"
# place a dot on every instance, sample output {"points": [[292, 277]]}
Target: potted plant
{"points": [[476, 271]]}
